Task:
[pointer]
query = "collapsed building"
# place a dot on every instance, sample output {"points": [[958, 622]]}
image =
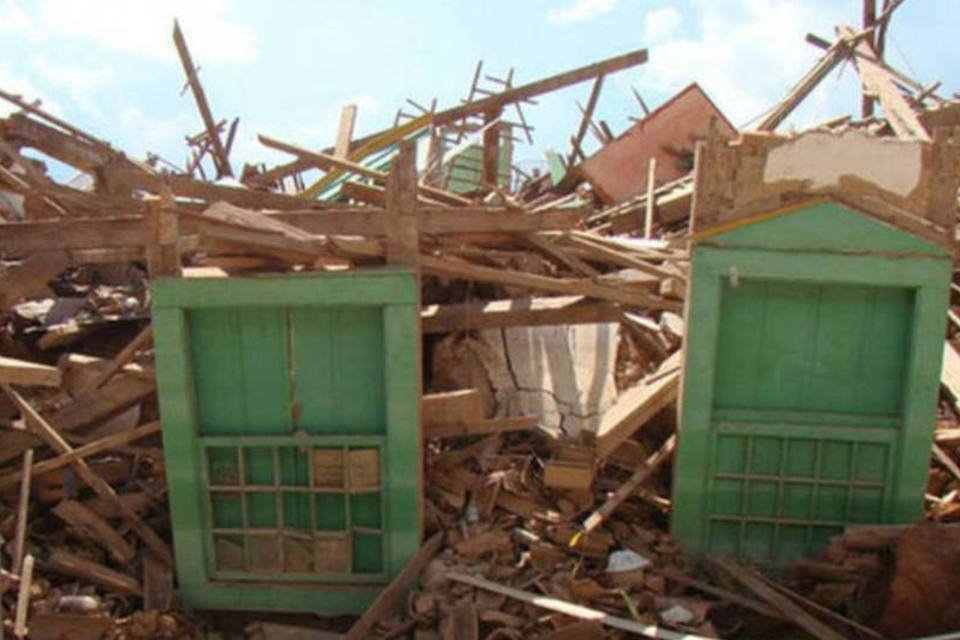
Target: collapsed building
{"points": [[440, 395]]}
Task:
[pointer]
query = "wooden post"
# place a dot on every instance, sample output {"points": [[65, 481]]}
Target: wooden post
{"points": [[23, 598], [162, 237], [348, 117], [403, 236], [23, 506], [869, 19], [491, 148], [651, 187], [219, 152]]}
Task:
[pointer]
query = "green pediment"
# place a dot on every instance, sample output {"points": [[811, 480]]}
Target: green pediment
{"points": [[825, 226]]}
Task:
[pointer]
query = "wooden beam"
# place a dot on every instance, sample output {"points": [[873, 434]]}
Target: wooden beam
{"points": [[651, 198], [869, 19], [950, 374], [451, 406], [879, 82], [491, 148], [23, 510], [213, 134], [348, 117], [89, 526], [784, 605], [526, 312], [403, 237], [68, 564], [572, 610], [107, 443], [635, 407], [28, 374], [327, 162], [56, 442], [587, 117], [626, 489], [187, 187], [837, 52], [392, 596], [546, 85], [140, 342], [451, 268], [23, 598]]}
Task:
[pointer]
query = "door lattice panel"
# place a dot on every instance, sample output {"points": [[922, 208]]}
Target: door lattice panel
{"points": [[304, 511]]}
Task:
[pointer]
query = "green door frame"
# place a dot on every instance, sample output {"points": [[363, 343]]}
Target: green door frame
{"points": [[396, 291], [927, 276]]}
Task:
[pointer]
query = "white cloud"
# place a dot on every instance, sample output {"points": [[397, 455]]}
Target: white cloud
{"points": [[141, 27], [16, 83], [580, 11], [660, 24], [82, 83], [746, 54]]}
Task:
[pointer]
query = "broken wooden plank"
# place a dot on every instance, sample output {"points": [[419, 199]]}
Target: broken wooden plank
{"points": [[724, 594], [451, 406], [140, 342], [837, 52], [23, 510], [87, 525], [450, 268], [635, 406], [23, 598], [572, 610], [624, 491], [950, 374], [213, 134], [880, 83], [348, 117], [56, 442], [70, 564], [586, 118], [784, 605], [552, 83], [327, 162], [944, 459], [527, 312], [391, 597], [28, 374]]}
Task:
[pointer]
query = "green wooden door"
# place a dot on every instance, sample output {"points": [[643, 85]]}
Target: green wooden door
{"points": [[289, 409], [280, 502], [811, 368], [807, 404]]}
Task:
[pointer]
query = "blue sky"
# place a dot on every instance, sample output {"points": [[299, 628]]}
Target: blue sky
{"points": [[286, 67]]}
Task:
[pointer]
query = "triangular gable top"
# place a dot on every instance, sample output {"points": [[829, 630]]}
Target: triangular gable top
{"points": [[823, 225]]}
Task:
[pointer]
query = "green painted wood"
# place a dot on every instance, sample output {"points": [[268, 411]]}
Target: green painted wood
{"points": [[266, 401], [795, 346], [827, 227], [355, 287], [339, 379], [810, 380]]}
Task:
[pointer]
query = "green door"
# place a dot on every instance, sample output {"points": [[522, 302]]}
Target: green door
{"points": [[807, 404], [290, 422], [281, 501], [811, 367]]}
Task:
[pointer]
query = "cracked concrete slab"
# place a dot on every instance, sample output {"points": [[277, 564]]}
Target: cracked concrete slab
{"points": [[562, 373]]}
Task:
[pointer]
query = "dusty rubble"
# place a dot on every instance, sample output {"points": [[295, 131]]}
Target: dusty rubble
{"points": [[546, 507]]}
